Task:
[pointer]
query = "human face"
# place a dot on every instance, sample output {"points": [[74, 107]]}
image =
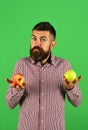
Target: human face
{"points": [[41, 45]]}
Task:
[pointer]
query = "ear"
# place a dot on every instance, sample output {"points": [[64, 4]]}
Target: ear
{"points": [[53, 44]]}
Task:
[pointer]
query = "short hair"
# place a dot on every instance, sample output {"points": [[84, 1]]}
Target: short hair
{"points": [[45, 26]]}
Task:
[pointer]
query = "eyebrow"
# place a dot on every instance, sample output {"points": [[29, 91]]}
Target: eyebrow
{"points": [[40, 36]]}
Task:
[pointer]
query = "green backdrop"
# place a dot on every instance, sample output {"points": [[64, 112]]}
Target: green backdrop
{"points": [[70, 18]]}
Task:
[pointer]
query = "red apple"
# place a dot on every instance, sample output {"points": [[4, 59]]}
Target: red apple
{"points": [[18, 79]]}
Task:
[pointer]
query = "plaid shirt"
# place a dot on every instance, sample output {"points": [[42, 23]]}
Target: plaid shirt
{"points": [[42, 102]]}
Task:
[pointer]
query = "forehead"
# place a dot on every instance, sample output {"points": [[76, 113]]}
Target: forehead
{"points": [[40, 33]]}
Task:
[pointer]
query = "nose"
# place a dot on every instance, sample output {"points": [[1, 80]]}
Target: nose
{"points": [[37, 42]]}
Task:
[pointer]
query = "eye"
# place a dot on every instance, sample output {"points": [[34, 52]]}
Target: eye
{"points": [[43, 39], [34, 38]]}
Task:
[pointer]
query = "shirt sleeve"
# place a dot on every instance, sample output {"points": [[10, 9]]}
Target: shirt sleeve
{"points": [[14, 95], [74, 96]]}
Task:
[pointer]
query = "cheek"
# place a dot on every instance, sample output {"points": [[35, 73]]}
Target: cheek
{"points": [[47, 48], [31, 45]]}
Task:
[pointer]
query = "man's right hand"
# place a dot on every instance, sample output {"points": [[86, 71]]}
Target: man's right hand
{"points": [[18, 81]]}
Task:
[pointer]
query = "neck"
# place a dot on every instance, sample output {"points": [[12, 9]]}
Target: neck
{"points": [[45, 60]]}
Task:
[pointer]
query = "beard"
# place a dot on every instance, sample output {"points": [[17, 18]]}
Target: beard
{"points": [[38, 54]]}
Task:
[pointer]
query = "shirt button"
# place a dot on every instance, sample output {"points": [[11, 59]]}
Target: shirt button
{"points": [[42, 121], [42, 107], [42, 68], [42, 81], [42, 94]]}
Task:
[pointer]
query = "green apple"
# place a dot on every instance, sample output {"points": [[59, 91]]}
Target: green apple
{"points": [[70, 75]]}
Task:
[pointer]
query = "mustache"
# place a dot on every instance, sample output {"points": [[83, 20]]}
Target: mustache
{"points": [[36, 47]]}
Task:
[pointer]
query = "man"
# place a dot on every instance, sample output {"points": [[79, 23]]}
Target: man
{"points": [[42, 99]]}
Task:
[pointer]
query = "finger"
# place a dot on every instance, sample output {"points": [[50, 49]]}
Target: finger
{"points": [[17, 86], [9, 81], [27, 82], [64, 79], [23, 87], [79, 77]]}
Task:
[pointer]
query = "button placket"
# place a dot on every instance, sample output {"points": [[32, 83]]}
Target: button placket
{"points": [[42, 112]]}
